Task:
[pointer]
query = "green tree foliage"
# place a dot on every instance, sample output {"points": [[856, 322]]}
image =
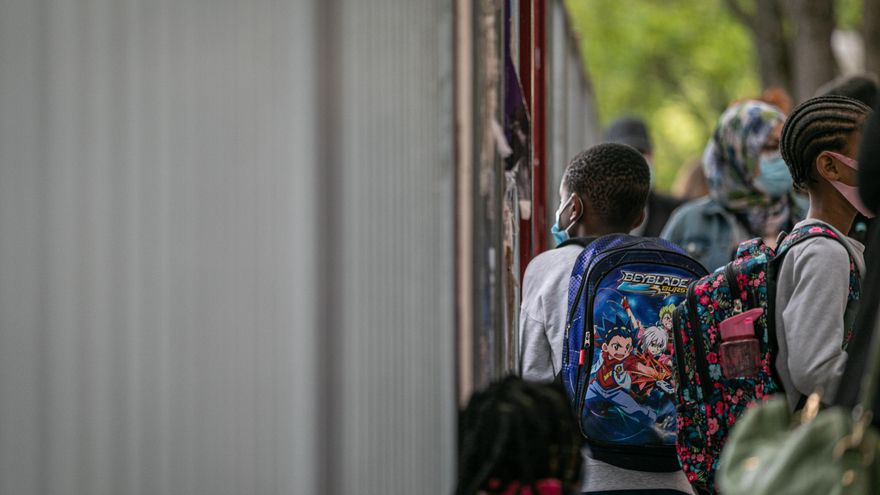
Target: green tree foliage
{"points": [[676, 63], [849, 13]]}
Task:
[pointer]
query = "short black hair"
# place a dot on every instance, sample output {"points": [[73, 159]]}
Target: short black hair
{"points": [[516, 431], [823, 123], [618, 327], [614, 178], [622, 332], [862, 87]]}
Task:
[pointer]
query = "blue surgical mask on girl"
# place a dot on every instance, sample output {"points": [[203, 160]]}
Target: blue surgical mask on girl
{"points": [[774, 179], [561, 235]]}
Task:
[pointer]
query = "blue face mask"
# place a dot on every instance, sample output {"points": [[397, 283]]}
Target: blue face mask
{"points": [[775, 179], [561, 235]]}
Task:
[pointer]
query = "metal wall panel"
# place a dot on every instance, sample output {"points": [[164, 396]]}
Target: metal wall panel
{"points": [[397, 404], [152, 322], [583, 120], [159, 237], [563, 111], [574, 124]]}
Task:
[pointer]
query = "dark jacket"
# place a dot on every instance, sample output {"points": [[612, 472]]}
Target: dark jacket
{"points": [[867, 318], [706, 230], [710, 233], [660, 207]]}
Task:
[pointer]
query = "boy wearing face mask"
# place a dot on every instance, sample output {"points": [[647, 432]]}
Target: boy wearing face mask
{"points": [[603, 191], [813, 314]]}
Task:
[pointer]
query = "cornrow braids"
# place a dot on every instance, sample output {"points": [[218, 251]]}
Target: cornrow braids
{"points": [[819, 124], [516, 431]]}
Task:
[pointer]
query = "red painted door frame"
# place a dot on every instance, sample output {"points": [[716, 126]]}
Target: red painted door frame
{"points": [[525, 78], [540, 58], [533, 76]]}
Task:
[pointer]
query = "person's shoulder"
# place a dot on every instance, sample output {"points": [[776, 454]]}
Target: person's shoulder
{"points": [[554, 259], [688, 215], [820, 246], [819, 249], [547, 270], [696, 207]]}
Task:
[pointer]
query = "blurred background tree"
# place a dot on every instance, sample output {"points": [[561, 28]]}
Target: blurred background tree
{"points": [[679, 63]]}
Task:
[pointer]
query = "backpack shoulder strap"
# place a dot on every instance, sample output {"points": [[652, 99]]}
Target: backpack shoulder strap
{"points": [[577, 241], [820, 230], [801, 234], [817, 230]]}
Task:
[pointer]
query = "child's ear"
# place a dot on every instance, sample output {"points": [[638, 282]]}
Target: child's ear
{"points": [[826, 167], [639, 219], [577, 209]]}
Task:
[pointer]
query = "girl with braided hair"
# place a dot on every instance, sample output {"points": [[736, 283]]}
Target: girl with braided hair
{"points": [[814, 286], [518, 437]]}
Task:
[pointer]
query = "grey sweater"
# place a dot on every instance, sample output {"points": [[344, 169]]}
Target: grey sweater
{"points": [[542, 329], [812, 291], [543, 312]]}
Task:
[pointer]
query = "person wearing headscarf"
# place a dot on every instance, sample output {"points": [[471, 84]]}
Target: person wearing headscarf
{"points": [[750, 188]]}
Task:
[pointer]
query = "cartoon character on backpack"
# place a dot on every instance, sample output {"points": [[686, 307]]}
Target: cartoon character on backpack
{"points": [[611, 393], [610, 390], [666, 316], [653, 374], [616, 369], [655, 339], [653, 366]]}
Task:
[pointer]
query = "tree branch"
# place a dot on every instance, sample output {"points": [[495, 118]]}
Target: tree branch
{"points": [[664, 75]]}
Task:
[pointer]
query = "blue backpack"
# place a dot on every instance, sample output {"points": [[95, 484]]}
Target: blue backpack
{"points": [[617, 356]]}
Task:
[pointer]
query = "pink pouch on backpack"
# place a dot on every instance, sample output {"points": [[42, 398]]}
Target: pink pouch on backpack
{"points": [[740, 352]]}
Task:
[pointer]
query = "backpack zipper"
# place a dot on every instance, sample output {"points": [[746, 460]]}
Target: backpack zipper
{"points": [[733, 287], [577, 301], [587, 344], [699, 342], [679, 346]]}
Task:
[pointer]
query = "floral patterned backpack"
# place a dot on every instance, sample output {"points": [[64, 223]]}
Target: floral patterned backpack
{"points": [[725, 348]]}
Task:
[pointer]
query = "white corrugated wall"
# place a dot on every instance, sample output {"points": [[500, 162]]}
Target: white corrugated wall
{"points": [[574, 120], [395, 350], [161, 241]]}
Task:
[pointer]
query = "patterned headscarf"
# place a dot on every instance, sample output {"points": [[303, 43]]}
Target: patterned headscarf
{"points": [[730, 162]]}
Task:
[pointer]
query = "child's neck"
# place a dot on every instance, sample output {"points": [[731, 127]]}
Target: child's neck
{"points": [[600, 230], [832, 210]]}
